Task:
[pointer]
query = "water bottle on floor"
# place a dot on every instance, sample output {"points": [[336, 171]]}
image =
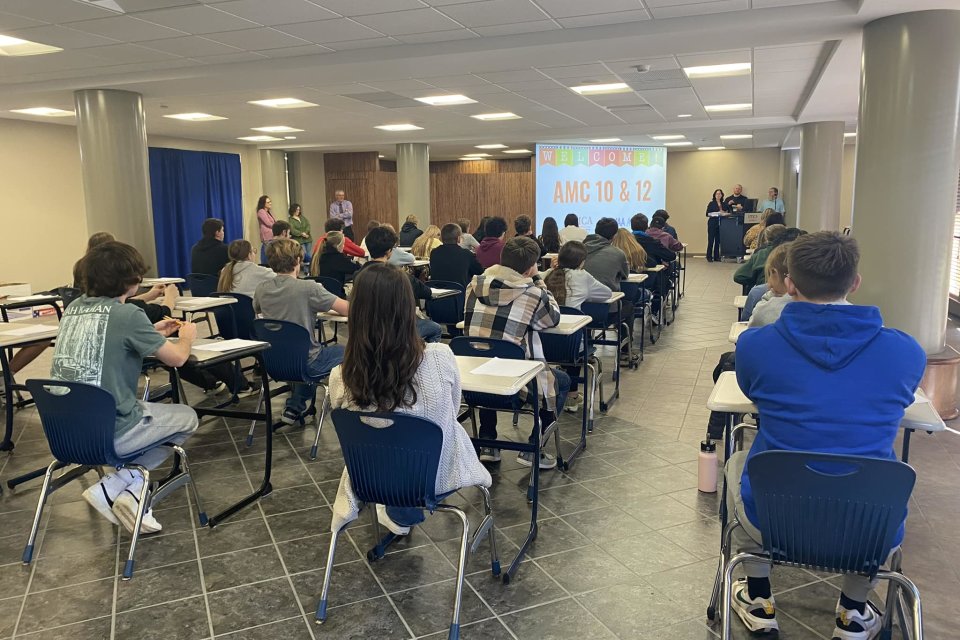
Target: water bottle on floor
{"points": [[707, 467]]}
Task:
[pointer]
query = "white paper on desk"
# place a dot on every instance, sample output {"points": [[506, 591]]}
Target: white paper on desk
{"points": [[28, 330], [185, 303], [570, 318], [36, 296], [225, 345], [506, 368]]}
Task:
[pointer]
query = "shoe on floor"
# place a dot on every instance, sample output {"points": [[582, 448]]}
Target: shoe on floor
{"points": [[547, 461], [96, 496], [572, 405], [853, 625], [758, 614], [488, 454], [247, 391], [220, 388], [290, 416], [125, 509]]}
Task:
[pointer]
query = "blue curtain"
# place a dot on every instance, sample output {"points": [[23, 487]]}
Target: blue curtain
{"points": [[187, 187]]}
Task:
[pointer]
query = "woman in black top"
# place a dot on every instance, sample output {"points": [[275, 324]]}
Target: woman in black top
{"points": [[715, 209], [479, 234], [550, 240], [329, 261]]}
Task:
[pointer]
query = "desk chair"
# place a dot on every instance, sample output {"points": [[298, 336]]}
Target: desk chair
{"points": [[603, 321], [286, 362], [203, 285], [333, 286], [396, 466], [831, 513], [235, 321], [79, 422], [572, 351], [635, 292], [447, 311]]}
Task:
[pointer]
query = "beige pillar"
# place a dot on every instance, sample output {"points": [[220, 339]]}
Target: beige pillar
{"points": [[112, 133], [821, 175], [273, 165], [413, 182], [908, 158], [789, 163]]}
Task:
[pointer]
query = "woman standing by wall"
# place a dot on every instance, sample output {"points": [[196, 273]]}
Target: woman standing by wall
{"points": [[265, 219], [300, 230]]}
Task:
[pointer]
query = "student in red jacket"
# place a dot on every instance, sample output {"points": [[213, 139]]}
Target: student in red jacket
{"points": [[350, 247]]}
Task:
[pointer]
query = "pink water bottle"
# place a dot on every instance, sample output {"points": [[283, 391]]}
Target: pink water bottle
{"points": [[707, 467]]}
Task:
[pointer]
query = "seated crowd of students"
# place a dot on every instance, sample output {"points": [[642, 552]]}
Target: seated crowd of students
{"points": [[845, 369]]}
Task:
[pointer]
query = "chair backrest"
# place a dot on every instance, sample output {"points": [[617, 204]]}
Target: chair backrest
{"points": [[202, 284], [563, 349], [286, 359], [330, 284], [235, 320], [486, 348], [78, 419], [631, 290], [829, 512], [393, 465], [447, 310], [599, 312]]}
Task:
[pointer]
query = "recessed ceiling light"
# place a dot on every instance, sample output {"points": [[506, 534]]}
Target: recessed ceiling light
{"points": [[711, 148], [739, 106], [398, 127], [684, 115], [669, 137], [596, 89], [850, 134], [441, 101], [506, 115], [477, 155], [606, 140], [194, 117], [10, 46], [260, 139], [289, 137], [491, 146], [737, 136], [718, 70], [381, 156], [685, 143], [278, 129], [44, 111], [517, 151], [283, 103], [466, 158]]}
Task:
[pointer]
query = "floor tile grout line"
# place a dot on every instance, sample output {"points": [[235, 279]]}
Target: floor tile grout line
{"points": [[199, 559]]}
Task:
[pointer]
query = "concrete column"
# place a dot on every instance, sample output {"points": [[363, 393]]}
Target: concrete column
{"points": [[789, 162], [112, 132], [907, 164], [821, 175], [273, 167], [413, 182]]}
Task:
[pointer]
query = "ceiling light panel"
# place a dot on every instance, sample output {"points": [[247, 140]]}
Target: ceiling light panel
{"points": [[44, 111], [442, 101], [737, 136], [283, 103], [598, 89], [260, 139], [711, 148], [518, 151], [669, 137], [490, 146], [14, 47], [602, 140], [194, 117], [718, 70], [678, 144], [477, 155], [276, 129], [506, 115], [722, 108], [398, 127]]}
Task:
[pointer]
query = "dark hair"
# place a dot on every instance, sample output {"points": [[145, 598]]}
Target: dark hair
{"points": [[293, 208], [571, 256], [771, 235], [571, 220], [210, 227], [380, 241], [262, 202], [823, 265], [383, 349], [776, 191], [714, 196], [638, 222], [522, 225], [658, 222], [791, 234], [283, 254], [279, 227], [450, 233], [99, 238], [111, 268], [238, 251], [520, 253], [373, 224], [463, 223], [661, 213], [495, 227], [551, 235], [481, 231], [333, 224], [606, 227], [775, 218]]}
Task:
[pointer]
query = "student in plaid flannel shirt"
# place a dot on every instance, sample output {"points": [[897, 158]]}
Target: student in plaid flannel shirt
{"points": [[509, 301]]}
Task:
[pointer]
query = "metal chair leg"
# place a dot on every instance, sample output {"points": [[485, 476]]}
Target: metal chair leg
{"points": [[323, 413], [253, 423], [725, 536], [733, 563], [490, 531], [141, 509], [591, 392], [322, 605], [44, 492], [182, 455], [454, 633], [904, 583]]}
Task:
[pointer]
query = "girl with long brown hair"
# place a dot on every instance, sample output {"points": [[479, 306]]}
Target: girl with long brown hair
{"points": [[242, 274]]}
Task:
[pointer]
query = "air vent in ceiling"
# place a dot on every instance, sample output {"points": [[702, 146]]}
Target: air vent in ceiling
{"points": [[652, 80]]}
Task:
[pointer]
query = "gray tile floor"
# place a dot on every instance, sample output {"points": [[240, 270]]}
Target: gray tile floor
{"points": [[627, 546]]}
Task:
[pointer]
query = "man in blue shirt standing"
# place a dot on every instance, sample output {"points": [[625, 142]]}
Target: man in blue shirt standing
{"points": [[342, 209]]}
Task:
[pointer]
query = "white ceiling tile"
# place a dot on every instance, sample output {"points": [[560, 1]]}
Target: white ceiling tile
{"points": [[717, 57], [519, 27], [398, 23], [465, 80], [62, 37], [626, 65], [351, 8], [529, 85], [661, 9], [190, 46], [128, 53], [55, 11], [133, 6], [258, 39], [276, 12], [763, 4], [576, 70], [362, 43], [488, 13], [12, 21], [127, 29], [789, 52], [291, 52], [197, 19], [437, 36], [597, 19], [224, 58], [324, 31], [516, 75], [571, 8]]}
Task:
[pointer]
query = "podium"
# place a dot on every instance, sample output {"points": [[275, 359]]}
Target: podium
{"points": [[731, 236]]}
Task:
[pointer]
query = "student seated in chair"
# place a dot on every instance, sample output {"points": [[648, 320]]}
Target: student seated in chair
{"points": [[242, 274], [209, 254], [282, 229], [330, 261], [509, 302], [103, 342], [450, 261], [850, 381], [287, 297], [350, 247], [381, 242], [388, 368]]}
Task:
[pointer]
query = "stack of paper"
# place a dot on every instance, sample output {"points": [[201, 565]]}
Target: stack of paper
{"points": [[506, 368]]}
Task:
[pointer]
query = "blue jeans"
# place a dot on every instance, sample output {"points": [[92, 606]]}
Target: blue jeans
{"points": [[306, 252], [488, 417], [429, 330], [410, 516], [319, 367]]}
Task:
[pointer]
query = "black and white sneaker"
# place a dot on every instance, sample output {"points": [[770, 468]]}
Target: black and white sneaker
{"points": [[488, 454], [853, 625], [290, 416], [96, 496], [125, 509], [758, 614], [547, 461]]}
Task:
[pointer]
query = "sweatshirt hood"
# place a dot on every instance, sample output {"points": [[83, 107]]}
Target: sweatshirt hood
{"points": [[407, 226], [488, 241], [595, 242], [829, 335], [500, 286]]}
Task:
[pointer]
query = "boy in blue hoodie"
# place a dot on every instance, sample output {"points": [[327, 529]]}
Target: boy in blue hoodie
{"points": [[849, 381]]}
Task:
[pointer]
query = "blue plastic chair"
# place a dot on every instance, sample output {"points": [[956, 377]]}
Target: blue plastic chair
{"points": [[202, 284], [235, 320], [570, 351], [396, 466], [831, 513], [634, 292], [447, 311], [286, 361], [79, 421], [333, 286]]}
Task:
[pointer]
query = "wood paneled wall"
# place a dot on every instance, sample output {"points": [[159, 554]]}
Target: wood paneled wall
{"points": [[372, 192], [481, 188]]}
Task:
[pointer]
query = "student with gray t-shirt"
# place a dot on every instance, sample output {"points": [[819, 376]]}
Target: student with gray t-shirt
{"points": [[286, 297]]}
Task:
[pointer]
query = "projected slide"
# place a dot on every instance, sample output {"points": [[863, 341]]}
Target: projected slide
{"points": [[595, 182]]}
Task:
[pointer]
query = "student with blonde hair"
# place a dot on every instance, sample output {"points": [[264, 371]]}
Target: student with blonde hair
{"points": [[768, 310], [330, 260], [636, 256], [426, 242], [242, 274]]}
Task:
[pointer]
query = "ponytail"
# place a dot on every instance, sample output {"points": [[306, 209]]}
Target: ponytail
{"points": [[556, 282], [331, 242], [238, 251]]}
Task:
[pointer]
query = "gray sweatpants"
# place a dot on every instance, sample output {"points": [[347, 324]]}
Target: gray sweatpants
{"points": [[160, 423]]}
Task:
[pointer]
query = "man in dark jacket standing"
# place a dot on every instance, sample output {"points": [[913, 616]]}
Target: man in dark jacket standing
{"points": [[450, 261], [210, 254]]}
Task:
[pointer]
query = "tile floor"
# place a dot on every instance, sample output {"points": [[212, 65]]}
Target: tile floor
{"points": [[627, 546]]}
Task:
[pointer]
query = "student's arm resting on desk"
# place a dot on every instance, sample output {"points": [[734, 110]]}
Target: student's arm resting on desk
{"points": [[547, 313], [420, 290], [175, 354]]}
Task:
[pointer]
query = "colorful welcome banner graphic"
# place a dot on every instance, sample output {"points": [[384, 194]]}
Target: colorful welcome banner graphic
{"points": [[575, 155]]}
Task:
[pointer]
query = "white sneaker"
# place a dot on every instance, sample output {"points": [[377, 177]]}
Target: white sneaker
{"points": [[393, 527], [488, 454], [220, 388], [853, 625], [547, 461], [96, 496], [125, 509], [572, 405], [758, 614]]}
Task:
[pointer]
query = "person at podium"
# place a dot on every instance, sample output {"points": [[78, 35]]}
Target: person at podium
{"points": [[737, 202]]}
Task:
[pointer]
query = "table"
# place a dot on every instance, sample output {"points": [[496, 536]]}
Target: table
{"points": [[22, 336], [569, 325], [637, 277], [24, 302], [150, 282], [739, 302], [418, 263], [735, 330], [199, 303], [332, 316], [509, 386]]}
